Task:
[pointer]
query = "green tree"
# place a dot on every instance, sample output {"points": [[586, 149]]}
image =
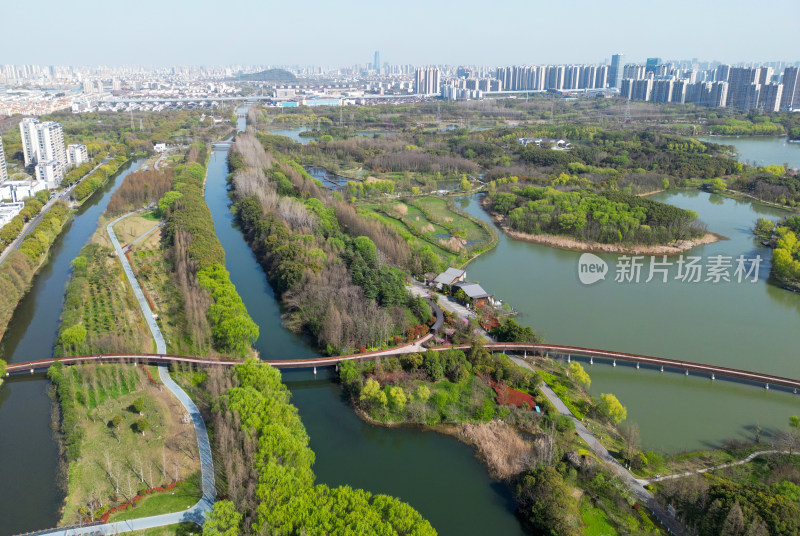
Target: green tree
{"points": [[73, 337], [465, 185], [764, 227], [547, 503], [142, 425], [718, 185], [612, 408], [422, 393], [223, 520], [579, 374], [397, 398], [167, 200], [138, 405]]}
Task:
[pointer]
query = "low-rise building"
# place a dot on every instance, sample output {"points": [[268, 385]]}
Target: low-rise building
{"points": [[450, 277], [17, 191], [8, 211], [478, 297]]}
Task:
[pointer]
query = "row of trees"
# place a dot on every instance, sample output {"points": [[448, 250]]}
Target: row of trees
{"points": [[139, 189], [199, 263], [93, 183], [268, 469], [17, 272], [10, 231], [336, 271]]}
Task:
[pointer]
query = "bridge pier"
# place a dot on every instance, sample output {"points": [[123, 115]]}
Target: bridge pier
{"points": [[662, 368], [614, 363], [766, 387], [591, 361], [569, 358], [687, 372], [712, 377], [31, 371], [637, 366], [315, 371]]}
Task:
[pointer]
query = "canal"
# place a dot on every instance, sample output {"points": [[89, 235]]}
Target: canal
{"points": [[435, 473], [29, 495]]}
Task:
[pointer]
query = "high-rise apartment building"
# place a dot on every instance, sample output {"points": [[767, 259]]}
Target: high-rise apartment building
{"points": [[376, 64], [3, 168], [43, 145], [615, 71], [790, 99], [76, 154], [427, 81], [769, 98], [662, 91]]}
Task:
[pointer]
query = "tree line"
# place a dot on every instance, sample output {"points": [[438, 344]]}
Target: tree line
{"points": [[267, 468], [199, 264]]}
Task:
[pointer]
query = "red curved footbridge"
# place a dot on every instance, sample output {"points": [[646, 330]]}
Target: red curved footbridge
{"points": [[568, 352]]}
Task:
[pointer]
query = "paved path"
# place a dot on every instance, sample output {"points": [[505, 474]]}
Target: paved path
{"points": [[161, 345], [196, 513], [636, 486], [721, 466]]}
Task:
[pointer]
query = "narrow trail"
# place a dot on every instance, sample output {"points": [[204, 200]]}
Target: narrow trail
{"points": [[197, 513]]}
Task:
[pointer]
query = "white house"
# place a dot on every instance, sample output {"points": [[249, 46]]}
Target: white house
{"points": [[8, 211], [160, 147]]}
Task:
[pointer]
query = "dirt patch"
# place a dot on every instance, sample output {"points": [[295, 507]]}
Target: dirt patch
{"points": [[506, 453], [429, 228], [402, 209], [453, 244]]}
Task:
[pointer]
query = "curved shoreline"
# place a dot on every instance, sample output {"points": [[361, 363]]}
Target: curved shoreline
{"points": [[573, 244]]}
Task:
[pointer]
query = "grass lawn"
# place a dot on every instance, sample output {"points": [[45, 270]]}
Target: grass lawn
{"points": [[595, 521], [184, 496]]}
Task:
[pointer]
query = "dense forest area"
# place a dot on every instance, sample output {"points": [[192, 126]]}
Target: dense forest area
{"points": [[339, 274], [608, 217], [267, 468]]}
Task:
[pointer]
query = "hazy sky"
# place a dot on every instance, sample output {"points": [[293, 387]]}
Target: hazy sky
{"points": [[344, 32]]}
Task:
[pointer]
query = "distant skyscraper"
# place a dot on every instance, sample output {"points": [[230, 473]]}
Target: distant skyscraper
{"points": [[427, 81], [377, 63], [652, 64], [769, 99], [615, 72], [3, 169]]}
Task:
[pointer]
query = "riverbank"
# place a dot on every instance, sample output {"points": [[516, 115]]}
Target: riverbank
{"points": [[22, 265], [565, 242]]}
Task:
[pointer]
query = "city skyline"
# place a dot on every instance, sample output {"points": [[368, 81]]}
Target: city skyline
{"points": [[351, 31]]}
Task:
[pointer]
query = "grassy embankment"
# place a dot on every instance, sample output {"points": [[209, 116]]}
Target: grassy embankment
{"points": [[122, 434], [434, 223]]}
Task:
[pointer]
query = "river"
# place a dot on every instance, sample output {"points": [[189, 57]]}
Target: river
{"points": [[29, 495], [761, 150]]}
